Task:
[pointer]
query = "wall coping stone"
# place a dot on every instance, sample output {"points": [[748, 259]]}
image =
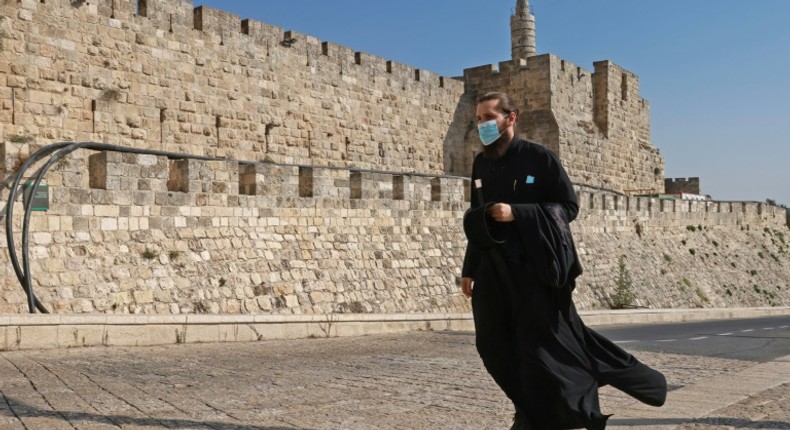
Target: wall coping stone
{"points": [[47, 331]]}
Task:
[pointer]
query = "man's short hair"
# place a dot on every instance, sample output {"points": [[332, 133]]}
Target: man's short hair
{"points": [[504, 104]]}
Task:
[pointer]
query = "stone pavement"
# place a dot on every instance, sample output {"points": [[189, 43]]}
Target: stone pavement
{"points": [[415, 380]]}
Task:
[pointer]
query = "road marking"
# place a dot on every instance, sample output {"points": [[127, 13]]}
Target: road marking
{"points": [[768, 328], [724, 334], [699, 338], [784, 326], [747, 331], [626, 341], [666, 340]]}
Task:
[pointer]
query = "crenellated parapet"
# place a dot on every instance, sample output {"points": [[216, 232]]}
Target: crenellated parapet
{"points": [[128, 233], [682, 185], [615, 213], [596, 122], [164, 75], [329, 187]]}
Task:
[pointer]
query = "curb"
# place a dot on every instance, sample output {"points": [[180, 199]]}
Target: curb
{"points": [[48, 331], [654, 316]]}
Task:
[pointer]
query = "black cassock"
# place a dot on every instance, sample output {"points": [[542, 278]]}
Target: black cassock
{"points": [[528, 333]]}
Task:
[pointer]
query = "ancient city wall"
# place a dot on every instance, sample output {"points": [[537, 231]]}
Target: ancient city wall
{"points": [[130, 233], [597, 123], [683, 253], [141, 233], [164, 75], [327, 192], [206, 82]]}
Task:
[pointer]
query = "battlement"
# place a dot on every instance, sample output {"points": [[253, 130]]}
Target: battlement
{"points": [[180, 15], [654, 214], [682, 185], [184, 181], [327, 188], [147, 234], [596, 122], [165, 75]]}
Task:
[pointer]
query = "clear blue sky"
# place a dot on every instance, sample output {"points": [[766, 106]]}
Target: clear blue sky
{"points": [[716, 72]]}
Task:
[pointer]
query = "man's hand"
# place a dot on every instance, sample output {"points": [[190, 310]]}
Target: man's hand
{"points": [[501, 212], [466, 287]]}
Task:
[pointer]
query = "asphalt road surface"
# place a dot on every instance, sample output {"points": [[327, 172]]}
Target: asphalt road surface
{"points": [[758, 339]]}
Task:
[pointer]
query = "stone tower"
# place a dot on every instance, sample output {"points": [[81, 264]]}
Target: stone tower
{"points": [[522, 31]]}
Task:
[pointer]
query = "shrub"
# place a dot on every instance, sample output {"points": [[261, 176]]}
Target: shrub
{"points": [[624, 296], [18, 138], [702, 295]]}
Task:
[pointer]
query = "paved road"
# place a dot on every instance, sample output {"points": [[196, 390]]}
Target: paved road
{"points": [[420, 380], [757, 339]]}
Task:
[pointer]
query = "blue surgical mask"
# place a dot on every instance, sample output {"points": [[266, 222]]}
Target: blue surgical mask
{"points": [[489, 132]]}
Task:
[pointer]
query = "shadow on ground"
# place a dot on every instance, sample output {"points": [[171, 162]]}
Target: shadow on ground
{"points": [[21, 411]]}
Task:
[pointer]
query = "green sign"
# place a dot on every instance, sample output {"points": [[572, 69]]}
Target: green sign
{"points": [[39, 201]]}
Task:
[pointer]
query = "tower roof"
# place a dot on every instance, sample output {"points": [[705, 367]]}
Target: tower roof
{"points": [[522, 7]]}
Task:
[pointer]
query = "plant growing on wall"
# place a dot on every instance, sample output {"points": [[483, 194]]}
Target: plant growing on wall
{"points": [[18, 138], [624, 296], [702, 295], [149, 254]]}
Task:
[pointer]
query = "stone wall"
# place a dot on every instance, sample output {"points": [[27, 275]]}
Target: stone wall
{"points": [[206, 82], [162, 75], [597, 123], [683, 253], [291, 218], [682, 185], [154, 235], [132, 233]]}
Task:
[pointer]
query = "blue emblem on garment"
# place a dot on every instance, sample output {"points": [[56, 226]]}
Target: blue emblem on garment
{"points": [[530, 179]]}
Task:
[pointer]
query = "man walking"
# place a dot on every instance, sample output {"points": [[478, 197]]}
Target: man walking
{"points": [[519, 270]]}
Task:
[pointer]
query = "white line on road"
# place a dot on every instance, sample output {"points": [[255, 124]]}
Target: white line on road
{"points": [[666, 340], [784, 326], [747, 331], [626, 341], [724, 334], [699, 338], [768, 328]]}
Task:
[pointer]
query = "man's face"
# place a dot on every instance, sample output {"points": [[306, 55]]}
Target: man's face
{"points": [[487, 110]]}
